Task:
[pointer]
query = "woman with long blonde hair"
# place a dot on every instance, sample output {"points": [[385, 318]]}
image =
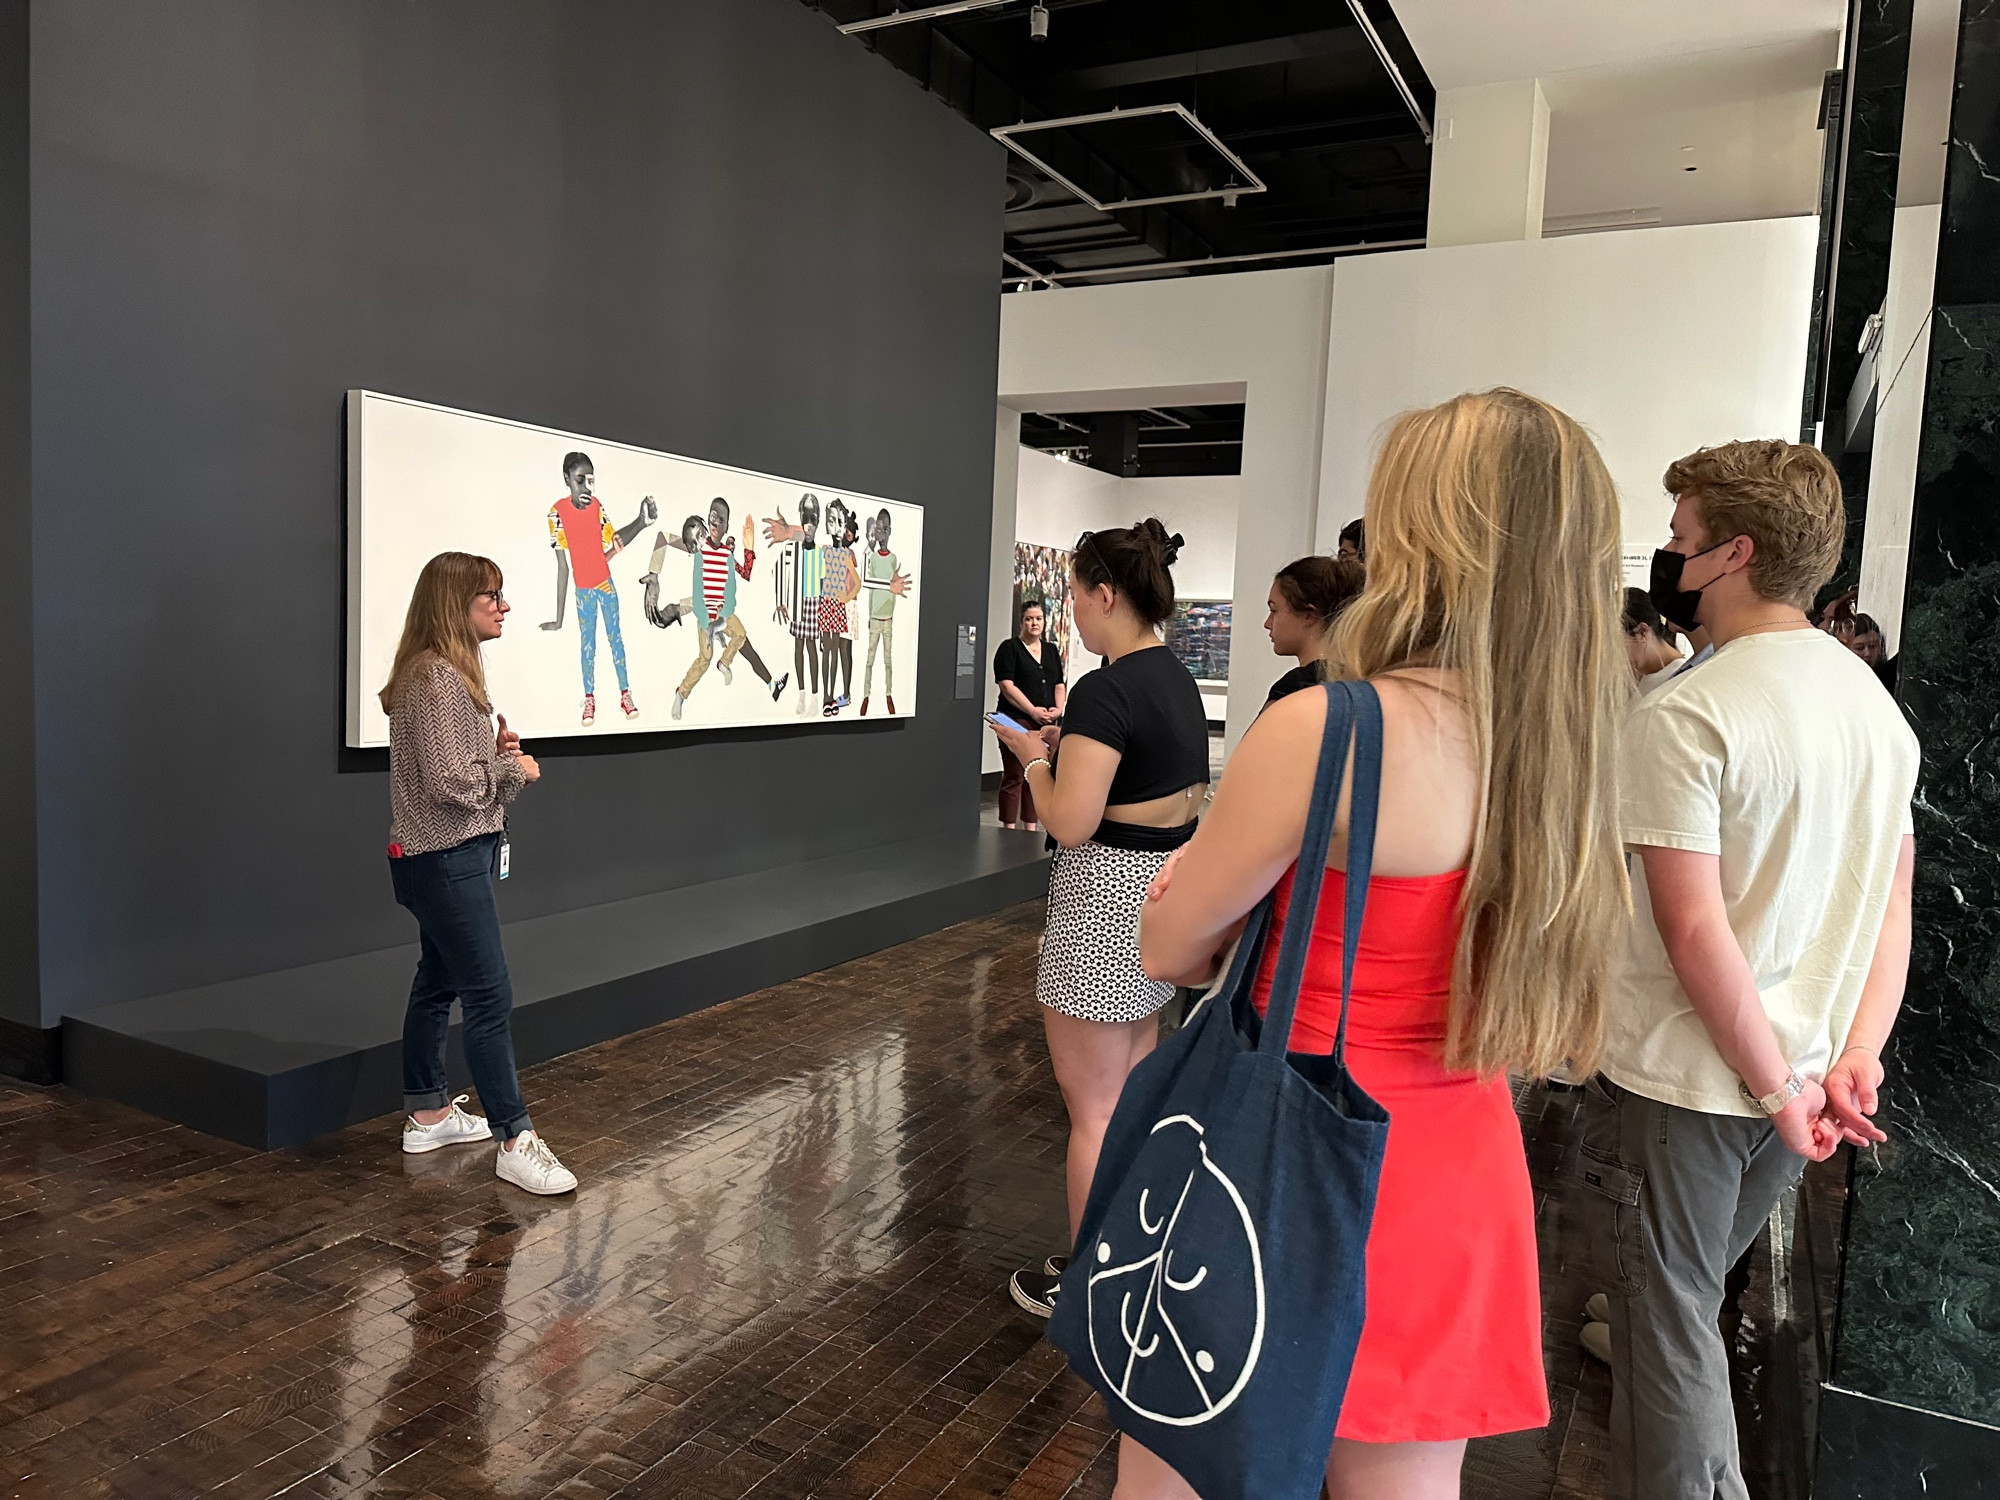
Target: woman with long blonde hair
{"points": [[452, 776], [1489, 629]]}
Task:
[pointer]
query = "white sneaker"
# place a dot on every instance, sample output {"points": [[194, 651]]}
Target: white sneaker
{"points": [[532, 1167], [805, 704], [455, 1129]]}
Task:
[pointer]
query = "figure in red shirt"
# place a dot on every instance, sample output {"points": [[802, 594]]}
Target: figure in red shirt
{"points": [[584, 543]]}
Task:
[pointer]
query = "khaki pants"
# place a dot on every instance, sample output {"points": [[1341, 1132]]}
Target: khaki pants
{"points": [[732, 642], [881, 632]]}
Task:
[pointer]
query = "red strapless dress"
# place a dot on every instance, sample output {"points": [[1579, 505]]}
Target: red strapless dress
{"points": [[1452, 1344]]}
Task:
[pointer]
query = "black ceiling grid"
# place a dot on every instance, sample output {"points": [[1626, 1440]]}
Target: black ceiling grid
{"points": [[1150, 444], [1294, 88]]}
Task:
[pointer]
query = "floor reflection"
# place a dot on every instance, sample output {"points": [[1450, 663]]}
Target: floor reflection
{"points": [[782, 1276]]}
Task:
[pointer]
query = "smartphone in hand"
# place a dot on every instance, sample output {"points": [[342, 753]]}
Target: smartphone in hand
{"points": [[1006, 723]]}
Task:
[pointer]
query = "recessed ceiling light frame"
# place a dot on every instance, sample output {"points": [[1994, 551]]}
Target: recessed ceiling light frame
{"points": [[1251, 183], [922, 13]]}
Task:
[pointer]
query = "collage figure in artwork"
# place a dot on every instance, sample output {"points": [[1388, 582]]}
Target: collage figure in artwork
{"points": [[584, 542], [840, 585], [800, 579], [884, 583], [711, 601]]}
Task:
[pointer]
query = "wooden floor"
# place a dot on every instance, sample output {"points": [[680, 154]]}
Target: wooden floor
{"points": [[782, 1276]]}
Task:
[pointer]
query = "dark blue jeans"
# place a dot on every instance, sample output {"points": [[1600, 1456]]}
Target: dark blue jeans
{"points": [[450, 893]]}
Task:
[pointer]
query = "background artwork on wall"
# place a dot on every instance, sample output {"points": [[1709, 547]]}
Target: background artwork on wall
{"points": [[1198, 634], [1043, 573], [649, 591]]}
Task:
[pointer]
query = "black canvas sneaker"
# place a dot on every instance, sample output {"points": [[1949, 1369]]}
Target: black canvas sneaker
{"points": [[1034, 1292]]}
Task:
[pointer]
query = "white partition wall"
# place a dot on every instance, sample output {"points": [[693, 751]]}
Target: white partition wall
{"points": [[1259, 339], [1657, 340]]}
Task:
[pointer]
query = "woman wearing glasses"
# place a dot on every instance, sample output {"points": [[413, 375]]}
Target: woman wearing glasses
{"points": [[1122, 796], [451, 778]]}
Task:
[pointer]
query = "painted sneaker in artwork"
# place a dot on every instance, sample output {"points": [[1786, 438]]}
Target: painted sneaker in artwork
{"points": [[625, 702], [456, 1128], [532, 1167], [589, 708]]}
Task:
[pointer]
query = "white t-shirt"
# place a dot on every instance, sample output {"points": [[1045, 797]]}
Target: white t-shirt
{"points": [[1783, 756]]}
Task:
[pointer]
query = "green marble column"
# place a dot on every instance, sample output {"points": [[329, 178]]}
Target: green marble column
{"points": [[1912, 1407]]}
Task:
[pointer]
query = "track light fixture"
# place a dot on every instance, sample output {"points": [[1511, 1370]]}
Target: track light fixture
{"points": [[1038, 22]]}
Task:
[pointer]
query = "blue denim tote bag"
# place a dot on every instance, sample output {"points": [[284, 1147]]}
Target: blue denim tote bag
{"points": [[1216, 1291]]}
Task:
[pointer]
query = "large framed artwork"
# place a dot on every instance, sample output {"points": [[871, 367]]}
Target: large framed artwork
{"points": [[1043, 573], [648, 591], [1198, 633]]}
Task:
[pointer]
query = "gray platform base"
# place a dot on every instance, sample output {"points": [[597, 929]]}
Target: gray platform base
{"points": [[276, 1059]]}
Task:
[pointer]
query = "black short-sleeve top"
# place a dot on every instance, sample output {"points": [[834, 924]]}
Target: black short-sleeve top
{"points": [[1037, 680], [1145, 705], [1295, 681]]}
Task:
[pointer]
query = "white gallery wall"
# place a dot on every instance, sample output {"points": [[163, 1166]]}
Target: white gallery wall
{"points": [[1259, 339], [1057, 501], [1658, 340]]}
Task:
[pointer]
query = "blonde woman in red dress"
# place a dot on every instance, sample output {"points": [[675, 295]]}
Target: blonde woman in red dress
{"points": [[1490, 629]]}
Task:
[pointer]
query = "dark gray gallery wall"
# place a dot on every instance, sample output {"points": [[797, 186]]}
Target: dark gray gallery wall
{"points": [[20, 1014], [718, 229]]}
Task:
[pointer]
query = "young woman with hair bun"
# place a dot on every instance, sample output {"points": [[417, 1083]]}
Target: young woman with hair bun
{"points": [[1120, 798], [1306, 596]]}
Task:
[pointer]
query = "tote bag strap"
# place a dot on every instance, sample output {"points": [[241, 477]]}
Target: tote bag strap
{"points": [[1352, 709]]}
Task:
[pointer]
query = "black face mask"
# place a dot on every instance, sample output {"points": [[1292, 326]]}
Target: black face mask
{"points": [[1676, 605]]}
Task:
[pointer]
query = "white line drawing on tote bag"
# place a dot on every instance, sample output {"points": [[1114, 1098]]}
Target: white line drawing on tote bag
{"points": [[1158, 1283]]}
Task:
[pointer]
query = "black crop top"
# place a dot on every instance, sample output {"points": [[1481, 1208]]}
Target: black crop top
{"points": [[1145, 705]]}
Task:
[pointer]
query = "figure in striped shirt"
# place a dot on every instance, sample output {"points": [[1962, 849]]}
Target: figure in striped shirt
{"points": [[713, 599]]}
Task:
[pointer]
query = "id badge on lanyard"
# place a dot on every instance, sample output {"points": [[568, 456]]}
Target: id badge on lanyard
{"points": [[506, 857]]}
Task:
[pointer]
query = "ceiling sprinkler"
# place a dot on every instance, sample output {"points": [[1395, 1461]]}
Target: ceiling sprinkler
{"points": [[1038, 22]]}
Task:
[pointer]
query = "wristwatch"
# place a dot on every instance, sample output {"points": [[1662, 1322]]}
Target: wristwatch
{"points": [[1775, 1101]]}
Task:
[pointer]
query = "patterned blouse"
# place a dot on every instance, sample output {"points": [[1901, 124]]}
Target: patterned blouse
{"points": [[446, 783]]}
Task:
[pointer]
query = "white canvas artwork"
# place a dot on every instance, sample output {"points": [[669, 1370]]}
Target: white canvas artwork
{"points": [[648, 592]]}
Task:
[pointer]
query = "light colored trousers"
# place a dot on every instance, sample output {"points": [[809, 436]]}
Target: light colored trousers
{"points": [[733, 636], [881, 632]]}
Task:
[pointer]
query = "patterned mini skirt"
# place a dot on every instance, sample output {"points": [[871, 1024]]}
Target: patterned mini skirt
{"points": [[832, 616], [1089, 963]]}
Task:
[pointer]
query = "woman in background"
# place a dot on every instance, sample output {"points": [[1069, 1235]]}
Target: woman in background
{"points": [[451, 778], [1489, 631], [1123, 795], [1305, 597], [1649, 645], [1028, 671]]}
